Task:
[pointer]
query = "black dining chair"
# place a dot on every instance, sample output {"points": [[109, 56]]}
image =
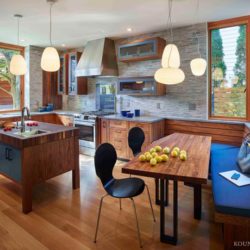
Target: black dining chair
{"points": [[105, 159], [136, 138]]}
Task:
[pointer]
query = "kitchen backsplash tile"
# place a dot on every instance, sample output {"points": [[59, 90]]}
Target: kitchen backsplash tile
{"points": [[192, 92]]}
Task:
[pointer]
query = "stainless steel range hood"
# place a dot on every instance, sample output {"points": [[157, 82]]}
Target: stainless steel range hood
{"points": [[98, 59]]}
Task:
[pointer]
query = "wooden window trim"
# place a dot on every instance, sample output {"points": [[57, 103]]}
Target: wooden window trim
{"points": [[22, 78], [223, 24]]}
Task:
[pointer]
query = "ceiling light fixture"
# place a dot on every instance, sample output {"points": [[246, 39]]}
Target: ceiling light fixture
{"points": [[18, 65], [129, 29], [198, 65], [50, 60], [170, 73]]}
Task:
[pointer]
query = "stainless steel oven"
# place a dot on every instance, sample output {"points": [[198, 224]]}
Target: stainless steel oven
{"points": [[87, 134]]}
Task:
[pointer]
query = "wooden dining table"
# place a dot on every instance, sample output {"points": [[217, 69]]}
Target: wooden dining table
{"points": [[193, 172]]}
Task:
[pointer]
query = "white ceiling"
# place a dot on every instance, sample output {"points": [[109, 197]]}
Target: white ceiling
{"points": [[77, 21]]}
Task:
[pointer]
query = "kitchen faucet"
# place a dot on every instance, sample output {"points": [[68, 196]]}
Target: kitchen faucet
{"points": [[22, 118]]}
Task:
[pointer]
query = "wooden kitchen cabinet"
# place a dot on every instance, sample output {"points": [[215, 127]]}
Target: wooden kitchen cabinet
{"points": [[104, 130], [10, 162], [61, 74], [141, 50], [74, 85], [116, 133], [65, 120]]}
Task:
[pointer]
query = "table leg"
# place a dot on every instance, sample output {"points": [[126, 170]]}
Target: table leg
{"points": [[157, 194], [197, 201], [76, 171], [164, 237]]}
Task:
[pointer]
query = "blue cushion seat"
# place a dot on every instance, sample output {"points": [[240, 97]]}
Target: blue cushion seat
{"points": [[228, 198]]}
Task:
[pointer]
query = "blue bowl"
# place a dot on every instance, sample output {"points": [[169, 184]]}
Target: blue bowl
{"points": [[130, 115], [125, 112]]}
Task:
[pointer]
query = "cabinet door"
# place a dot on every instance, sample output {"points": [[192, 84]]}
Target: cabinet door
{"points": [[72, 81], [4, 168], [10, 162], [61, 77], [14, 158], [104, 131]]}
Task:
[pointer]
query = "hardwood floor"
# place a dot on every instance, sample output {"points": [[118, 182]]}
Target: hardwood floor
{"points": [[66, 219]]}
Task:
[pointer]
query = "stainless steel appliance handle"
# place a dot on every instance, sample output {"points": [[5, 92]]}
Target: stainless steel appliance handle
{"points": [[85, 124]]}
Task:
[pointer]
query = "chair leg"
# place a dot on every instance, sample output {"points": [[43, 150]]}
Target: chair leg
{"points": [[137, 224], [120, 204], [98, 219], [150, 202]]}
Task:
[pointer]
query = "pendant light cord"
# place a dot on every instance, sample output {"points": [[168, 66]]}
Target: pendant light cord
{"points": [[197, 19], [18, 31], [169, 22], [50, 24], [170, 26]]}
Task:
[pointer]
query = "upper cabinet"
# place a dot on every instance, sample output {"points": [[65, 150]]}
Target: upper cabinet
{"points": [[61, 77], [140, 86], [67, 82], [141, 50]]}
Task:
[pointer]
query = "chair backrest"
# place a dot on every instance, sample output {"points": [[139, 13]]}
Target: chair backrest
{"points": [[136, 138], [105, 159]]}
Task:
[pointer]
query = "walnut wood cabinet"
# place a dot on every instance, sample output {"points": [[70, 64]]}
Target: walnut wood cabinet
{"points": [[116, 133], [141, 50], [74, 85]]}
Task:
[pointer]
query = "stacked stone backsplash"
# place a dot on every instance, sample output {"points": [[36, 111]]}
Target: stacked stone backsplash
{"points": [[33, 78], [184, 100], [82, 102]]}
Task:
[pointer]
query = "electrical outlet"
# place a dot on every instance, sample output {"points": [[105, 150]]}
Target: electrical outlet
{"points": [[191, 106]]}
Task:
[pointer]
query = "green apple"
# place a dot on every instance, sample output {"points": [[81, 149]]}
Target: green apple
{"points": [[158, 148], [166, 150], [142, 158], [154, 154], [174, 153], [152, 150], [158, 159], [149, 157], [164, 157], [183, 157], [153, 162]]}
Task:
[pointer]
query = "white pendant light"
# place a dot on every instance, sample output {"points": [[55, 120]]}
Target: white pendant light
{"points": [[18, 65], [169, 76], [50, 60], [170, 57], [170, 72], [198, 65]]}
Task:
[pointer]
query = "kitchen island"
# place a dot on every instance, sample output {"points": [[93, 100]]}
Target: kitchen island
{"points": [[32, 159]]}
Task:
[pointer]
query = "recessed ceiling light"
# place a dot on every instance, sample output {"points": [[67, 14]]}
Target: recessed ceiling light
{"points": [[63, 45], [129, 29]]}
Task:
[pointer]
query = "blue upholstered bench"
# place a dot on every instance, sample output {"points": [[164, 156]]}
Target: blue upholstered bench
{"points": [[228, 198]]}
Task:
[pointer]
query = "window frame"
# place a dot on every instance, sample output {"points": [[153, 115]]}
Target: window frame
{"points": [[22, 78], [225, 24]]}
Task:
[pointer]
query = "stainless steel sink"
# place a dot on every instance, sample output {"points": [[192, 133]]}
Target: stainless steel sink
{"points": [[29, 133]]}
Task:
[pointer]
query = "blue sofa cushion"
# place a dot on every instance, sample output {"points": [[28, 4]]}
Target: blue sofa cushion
{"points": [[228, 198], [215, 147]]}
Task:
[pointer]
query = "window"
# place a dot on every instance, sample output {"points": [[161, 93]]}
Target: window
{"points": [[228, 69], [11, 87]]}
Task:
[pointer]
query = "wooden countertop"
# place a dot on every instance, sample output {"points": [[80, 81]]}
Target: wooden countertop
{"points": [[54, 133]]}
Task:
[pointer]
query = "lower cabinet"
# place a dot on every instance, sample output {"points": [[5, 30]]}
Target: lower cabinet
{"points": [[10, 162], [116, 133]]}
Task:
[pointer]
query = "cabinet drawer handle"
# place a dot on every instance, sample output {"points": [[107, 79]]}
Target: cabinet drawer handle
{"points": [[8, 154]]}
